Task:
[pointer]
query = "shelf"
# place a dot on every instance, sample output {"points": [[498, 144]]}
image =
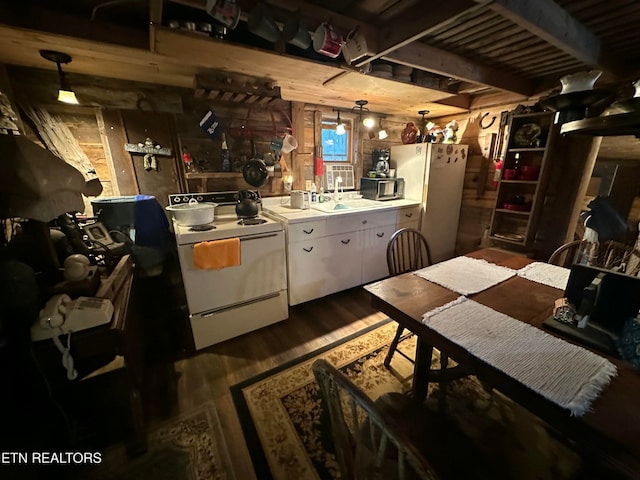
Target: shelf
{"points": [[197, 176], [525, 149], [608, 125], [515, 212], [500, 239]]}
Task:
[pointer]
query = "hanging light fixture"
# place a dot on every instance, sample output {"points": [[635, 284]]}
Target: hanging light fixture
{"points": [[367, 121], [382, 133], [340, 128], [65, 93]]}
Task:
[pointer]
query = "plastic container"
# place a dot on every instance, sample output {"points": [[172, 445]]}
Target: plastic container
{"points": [[314, 196]]}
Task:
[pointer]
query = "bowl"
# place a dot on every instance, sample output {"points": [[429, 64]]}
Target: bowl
{"points": [[517, 207]]}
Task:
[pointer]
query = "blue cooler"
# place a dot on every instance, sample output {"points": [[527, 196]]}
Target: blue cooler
{"points": [[142, 220]]}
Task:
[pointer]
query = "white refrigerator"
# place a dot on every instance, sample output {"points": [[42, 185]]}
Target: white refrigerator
{"points": [[434, 175]]}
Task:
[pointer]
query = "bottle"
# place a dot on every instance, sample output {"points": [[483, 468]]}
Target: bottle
{"points": [[321, 195], [313, 193], [187, 160], [226, 164]]}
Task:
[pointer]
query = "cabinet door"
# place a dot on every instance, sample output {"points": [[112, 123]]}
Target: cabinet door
{"points": [[374, 252], [308, 276], [408, 216], [343, 268]]}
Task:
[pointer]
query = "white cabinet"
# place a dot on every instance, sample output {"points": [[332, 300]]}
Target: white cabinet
{"points": [[341, 251], [408, 217], [374, 252], [307, 269], [343, 263]]}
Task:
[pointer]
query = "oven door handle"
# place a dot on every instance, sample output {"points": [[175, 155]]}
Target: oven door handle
{"points": [[256, 237], [240, 304], [252, 237]]}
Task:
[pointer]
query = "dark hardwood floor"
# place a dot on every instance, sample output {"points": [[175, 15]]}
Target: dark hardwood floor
{"points": [[205, 375]]}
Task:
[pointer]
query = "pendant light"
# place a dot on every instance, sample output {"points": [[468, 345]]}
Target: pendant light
{"points": [[382, 133], [65, 93], [340, 129], [367, 121]]}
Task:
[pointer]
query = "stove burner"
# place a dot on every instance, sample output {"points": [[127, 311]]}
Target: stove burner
{"points": [[202, 228], [252, 221]]}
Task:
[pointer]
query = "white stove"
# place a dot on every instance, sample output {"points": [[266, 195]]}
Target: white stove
{"points": [[227, 302], [226, 223]]}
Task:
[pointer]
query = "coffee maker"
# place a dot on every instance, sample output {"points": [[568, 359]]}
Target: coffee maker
{"points": [[381, 162]]}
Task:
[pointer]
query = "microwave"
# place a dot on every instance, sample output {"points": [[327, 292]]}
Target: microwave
{"points": [[382, 188]]}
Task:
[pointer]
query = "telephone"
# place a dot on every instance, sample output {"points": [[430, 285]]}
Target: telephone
{"points": [[61, 315]]}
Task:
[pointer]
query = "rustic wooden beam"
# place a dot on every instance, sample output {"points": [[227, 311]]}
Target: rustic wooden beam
{"points": [[155, 18], [552, 23], [23, 15], [114, 130], [418, 23], [299, 155], [425, 57]]}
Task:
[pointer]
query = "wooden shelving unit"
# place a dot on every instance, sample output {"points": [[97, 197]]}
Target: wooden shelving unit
{"points": [[519, 200]]}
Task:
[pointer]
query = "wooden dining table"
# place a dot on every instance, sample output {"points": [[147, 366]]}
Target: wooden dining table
{"points": [[610, 430]]}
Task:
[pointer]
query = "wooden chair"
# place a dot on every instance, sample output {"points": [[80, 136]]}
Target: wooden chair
{"points": [[407, 251], [395, 436], [368, 443], [620, 256], [611, 255], [567, 254]]}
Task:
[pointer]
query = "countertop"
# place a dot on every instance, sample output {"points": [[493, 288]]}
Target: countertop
{"points": [[280, 209]]}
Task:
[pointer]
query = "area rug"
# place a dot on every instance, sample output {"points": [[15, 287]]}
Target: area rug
{"points": [[287, 431], [188, 447]]}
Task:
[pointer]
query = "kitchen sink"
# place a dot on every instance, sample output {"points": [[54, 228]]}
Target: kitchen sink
{"points": [[352, 204]]}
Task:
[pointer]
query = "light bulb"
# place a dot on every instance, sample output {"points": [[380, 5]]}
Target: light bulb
{"points": [[67, 96], [368, 122], [340, 130], [382, 134]]}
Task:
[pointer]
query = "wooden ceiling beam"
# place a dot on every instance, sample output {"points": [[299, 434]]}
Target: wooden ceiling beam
{"points": [[553, 24], [424, 57], [417, 24]]}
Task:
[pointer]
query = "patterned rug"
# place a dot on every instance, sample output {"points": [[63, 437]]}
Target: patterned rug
{"points": [[288, 435], [189, 447]]}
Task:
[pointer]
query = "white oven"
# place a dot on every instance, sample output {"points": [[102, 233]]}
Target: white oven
{"points": [[232, 301]]}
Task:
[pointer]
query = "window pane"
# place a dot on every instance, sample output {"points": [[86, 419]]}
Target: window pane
{"points": [[335, 148]]}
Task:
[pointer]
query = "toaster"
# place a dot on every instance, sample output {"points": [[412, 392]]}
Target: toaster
{"points": [[299, 199]]}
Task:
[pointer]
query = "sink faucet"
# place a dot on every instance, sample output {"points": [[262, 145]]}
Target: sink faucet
{"points": [[337, 194]]}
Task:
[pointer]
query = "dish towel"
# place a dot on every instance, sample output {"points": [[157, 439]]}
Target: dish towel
{"points": [[217, 254], [466, 275], [547, 274], [569, 376]]}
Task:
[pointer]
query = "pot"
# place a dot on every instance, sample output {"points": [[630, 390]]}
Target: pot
{"points": [[192, 213], [579, 82], [255, 172], [247, 206]]}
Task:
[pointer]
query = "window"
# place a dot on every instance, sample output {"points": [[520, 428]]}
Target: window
{"points": [[336, 148]]}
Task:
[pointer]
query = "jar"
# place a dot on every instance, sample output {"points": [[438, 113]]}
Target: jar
{"points": [[409, 134]]}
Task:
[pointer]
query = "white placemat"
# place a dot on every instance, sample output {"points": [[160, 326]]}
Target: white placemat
{"points": [[568, 375], [545, 273], [466, 275]]}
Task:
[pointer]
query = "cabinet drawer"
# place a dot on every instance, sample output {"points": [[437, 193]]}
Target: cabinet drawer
{"points": [[345, 223], [408, 214], [307, 230], [379, 219]]}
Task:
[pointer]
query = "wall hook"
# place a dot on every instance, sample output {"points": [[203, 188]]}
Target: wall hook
{"points": [[484, 127]]}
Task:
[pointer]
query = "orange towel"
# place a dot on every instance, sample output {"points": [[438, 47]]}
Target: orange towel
{"points": [[217, 254]]}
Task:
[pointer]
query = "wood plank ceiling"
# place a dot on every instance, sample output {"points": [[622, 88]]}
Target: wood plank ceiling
{"points": [[473, 53]]}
